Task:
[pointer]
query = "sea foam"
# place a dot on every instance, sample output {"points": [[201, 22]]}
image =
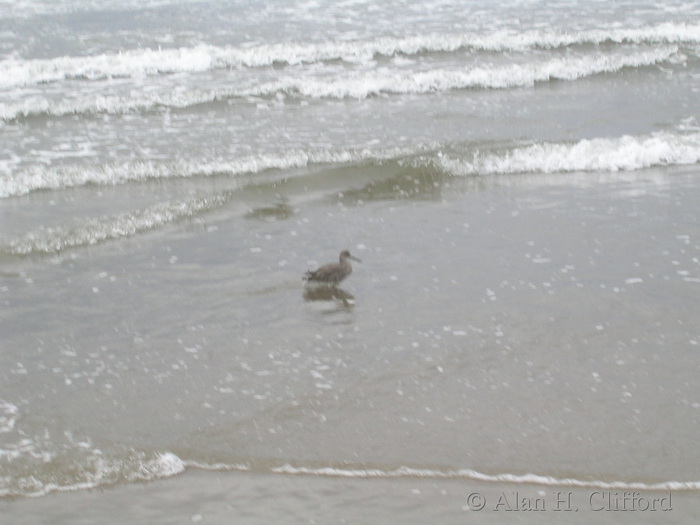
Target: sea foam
{"points": [[98, 471], [469, 474], [16, 182], [204, 57], [93, 231], [344, 84], [600, 154], [375, 82]]}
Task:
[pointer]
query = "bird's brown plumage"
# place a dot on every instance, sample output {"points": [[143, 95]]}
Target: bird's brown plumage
{"points": [[332, 273]]}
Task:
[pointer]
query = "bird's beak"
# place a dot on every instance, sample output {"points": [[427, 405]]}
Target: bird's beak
{"points": [[355, 259]]}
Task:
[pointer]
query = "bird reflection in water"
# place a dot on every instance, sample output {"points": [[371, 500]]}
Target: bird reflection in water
{"points": [[329, 293], [323, 282]]}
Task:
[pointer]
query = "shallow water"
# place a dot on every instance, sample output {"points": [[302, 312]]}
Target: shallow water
{"points": [[525, 310]]}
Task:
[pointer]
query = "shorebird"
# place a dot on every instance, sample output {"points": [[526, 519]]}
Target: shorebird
{"points": [[332, 273]]}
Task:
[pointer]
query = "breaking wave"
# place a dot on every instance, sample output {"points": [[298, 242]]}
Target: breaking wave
{"points": [[469, 474], [28, 467], [94, 231], [28, 463], [373, 83], [138, 466], [626, 153], [142, 62], [36, 178], [98, 471], [349, 85]]}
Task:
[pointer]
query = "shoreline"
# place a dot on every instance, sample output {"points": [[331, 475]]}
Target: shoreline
{"points": [[249, 497]]}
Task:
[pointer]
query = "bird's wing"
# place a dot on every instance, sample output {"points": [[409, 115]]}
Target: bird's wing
{"points": [[324, 273]]}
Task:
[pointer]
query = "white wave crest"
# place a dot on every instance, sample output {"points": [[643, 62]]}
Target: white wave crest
{"points": [[625, 153], [142, 62], [439, 80], [98, 471], [132, 63], [36, 464], [93, 231], [163, 465], [21, 182], [535, 479], [665, 33], [110, 104], [357, 85]]}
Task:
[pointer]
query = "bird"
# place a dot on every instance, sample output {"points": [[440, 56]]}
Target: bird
{"points": [[332, 273]]}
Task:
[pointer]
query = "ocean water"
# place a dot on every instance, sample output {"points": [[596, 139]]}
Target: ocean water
{"points": [[520, 179]]}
